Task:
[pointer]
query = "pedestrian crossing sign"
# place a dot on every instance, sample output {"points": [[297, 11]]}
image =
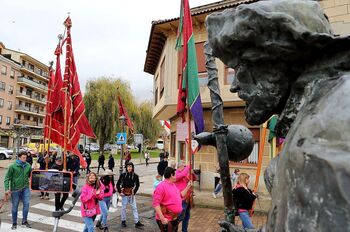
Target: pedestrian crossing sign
{"points": [[121, 138]]}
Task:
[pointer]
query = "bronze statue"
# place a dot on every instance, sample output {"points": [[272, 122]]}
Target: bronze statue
{"points": [[289, 62]]}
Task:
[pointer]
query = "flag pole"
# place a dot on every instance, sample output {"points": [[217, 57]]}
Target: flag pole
{"points": [[50, 119], [66, 118]]}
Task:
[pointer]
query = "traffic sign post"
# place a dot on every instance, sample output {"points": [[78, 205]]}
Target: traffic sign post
{"points": [[121, 138], [194, 145]]}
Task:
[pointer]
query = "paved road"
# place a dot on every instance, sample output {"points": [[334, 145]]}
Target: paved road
{"points": [[41, 210]]}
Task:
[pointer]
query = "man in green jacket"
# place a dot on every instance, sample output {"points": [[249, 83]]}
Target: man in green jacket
{"points": [[17, 186]]}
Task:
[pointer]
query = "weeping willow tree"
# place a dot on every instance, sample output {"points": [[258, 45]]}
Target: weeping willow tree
{"points": [[102, 111], [146, 125]]}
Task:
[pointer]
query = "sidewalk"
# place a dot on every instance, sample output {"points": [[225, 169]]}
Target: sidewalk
{"points": [[94, 163]]}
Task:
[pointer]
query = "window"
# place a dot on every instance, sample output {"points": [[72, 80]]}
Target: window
{"points": [[1, 103], [8, 120], [173, 144], [0, 119], [202, 71], [2, 85], [161, 83], [23, 63], [156, 97], [229, 75], [10, 89], [12, 74], [9, 105], [3, 70], [31, 67]]}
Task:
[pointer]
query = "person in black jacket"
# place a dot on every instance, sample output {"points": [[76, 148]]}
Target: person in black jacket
{"points": [[42, 166], [88, 162], [73, 165], [127, 186], [101, 163], [162, 165], [58, 165], [244, 198], [111, 162]]}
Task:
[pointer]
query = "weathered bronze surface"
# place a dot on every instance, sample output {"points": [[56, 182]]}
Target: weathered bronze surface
{"points": [[288, 62]]}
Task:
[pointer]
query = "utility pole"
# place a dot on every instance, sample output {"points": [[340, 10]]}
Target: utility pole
{"points": [[122, 119]]}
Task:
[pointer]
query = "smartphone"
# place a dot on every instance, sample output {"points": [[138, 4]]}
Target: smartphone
{"points": [[51, 181]]}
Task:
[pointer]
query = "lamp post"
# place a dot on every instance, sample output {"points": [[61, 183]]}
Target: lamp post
{"points": [[122, 120]]}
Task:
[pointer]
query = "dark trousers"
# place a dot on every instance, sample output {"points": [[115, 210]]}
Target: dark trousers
{"points": [[88, 169], [98, 168], [44, 193], [170, 227], [60, 202], [110, 168]]}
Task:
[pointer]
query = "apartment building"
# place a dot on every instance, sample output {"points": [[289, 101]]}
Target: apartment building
{"points": [[24, 88], [164, 63]]}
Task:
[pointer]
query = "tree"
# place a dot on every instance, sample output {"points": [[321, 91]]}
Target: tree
{"points": [[102, 110], [146, 125], [101, 106]]}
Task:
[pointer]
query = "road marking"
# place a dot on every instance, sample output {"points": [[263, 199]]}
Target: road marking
{"points": [[78, 204], [51, 208], [7, 227], [33, 217]]}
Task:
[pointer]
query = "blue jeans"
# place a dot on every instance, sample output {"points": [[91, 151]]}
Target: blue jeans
{"points": [[89, 224], [185, 216], [132, 201], [218, 188], [17, 196], [104, 206], [246, 221]]}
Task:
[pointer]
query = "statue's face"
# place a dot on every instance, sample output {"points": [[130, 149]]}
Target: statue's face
{"points": [[263, 87]]}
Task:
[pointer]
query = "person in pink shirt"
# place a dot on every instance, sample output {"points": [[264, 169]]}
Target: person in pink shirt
{"points": [[182, 179], [107, 180], [167, 201], [91, 193]]}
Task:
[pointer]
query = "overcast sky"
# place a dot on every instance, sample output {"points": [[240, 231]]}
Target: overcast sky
{"points": [[110, 37]]}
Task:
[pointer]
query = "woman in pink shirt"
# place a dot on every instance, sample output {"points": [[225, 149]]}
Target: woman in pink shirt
{"points": [[91, 193], [107, 180], [167, 201]]}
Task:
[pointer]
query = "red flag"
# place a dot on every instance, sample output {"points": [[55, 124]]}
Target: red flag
{"points": [[122, 111], [54, 119], [75, 118]]}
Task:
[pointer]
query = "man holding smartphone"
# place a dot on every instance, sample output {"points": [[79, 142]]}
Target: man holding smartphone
{"points": [[17, 186]]}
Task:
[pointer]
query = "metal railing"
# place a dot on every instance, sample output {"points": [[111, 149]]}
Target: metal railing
{"points": [[33, 83]]}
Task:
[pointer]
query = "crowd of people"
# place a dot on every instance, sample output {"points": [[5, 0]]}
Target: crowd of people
{"points": [[172, 197]]}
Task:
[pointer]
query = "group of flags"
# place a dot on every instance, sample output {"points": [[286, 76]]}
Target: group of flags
{"points": [[65, 117]]}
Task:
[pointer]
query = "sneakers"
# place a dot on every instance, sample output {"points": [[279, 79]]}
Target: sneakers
{"points": [[214, 195], [123, 223], [138, 224], [41, 197], [14, 226], [98, 224], [26, 224], [47, 198]]}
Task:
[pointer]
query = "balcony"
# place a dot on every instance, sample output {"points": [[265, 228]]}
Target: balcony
{"points": [[35, 71], [33, 84], [29, 110], [28, 123], [30, 97]]}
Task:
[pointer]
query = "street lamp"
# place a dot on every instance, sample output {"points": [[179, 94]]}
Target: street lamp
{"points": [[122, 120]]}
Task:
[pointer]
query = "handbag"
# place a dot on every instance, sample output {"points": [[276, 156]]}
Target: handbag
{"points": [[90, 212], [114, 200]]}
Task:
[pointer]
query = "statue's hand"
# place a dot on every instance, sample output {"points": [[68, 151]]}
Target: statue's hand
{"points": [[229, 227]]}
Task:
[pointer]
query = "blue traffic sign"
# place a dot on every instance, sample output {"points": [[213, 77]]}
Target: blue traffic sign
{"points": [[121, 138]]}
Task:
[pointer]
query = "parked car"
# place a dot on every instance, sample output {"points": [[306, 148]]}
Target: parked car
{"points": [[5, 153]]}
